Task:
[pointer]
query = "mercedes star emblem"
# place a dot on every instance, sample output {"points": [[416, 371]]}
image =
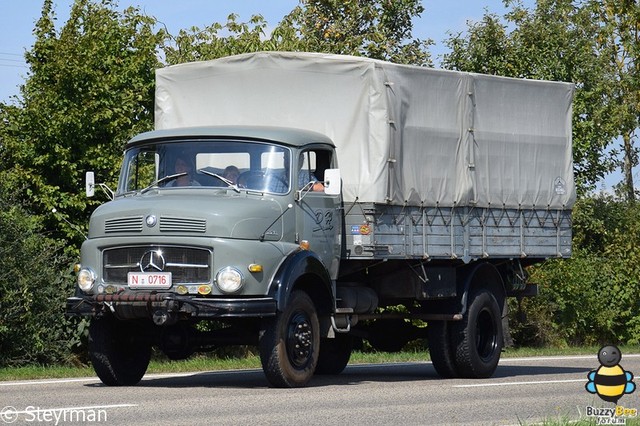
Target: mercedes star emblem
{"points": [[152, 261], [151, 220]]}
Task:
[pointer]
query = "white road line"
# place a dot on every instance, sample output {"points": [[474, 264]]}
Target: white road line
{"points": [[47, 382], [536, 382], [560, 358], [97, 380]]}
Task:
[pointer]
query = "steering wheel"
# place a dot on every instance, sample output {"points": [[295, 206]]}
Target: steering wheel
{"points": [[252, 179]]}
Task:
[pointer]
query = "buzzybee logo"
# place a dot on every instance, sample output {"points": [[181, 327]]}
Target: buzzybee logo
{"points": [[610, 382]]}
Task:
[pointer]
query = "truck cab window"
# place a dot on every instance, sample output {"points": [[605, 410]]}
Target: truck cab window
{"points": [[141, 170], [313, 163], [207, 164]]}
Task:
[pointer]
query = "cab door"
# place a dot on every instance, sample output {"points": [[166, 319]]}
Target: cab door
{"points": [[319, 219]]}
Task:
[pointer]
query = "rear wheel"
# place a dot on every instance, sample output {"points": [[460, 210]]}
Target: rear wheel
{"points": [[176, 342], [478, 338], [118, 354], [290, 344], [440, 348], [334, 354]]}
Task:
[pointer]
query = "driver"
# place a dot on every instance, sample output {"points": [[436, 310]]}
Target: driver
{"points": [[183, 165]]}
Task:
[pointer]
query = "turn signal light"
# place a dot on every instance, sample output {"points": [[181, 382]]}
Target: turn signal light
{"points": [[204, 289], [254, 267]]}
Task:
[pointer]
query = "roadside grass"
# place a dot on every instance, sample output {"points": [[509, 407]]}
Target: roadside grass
{"points": [[252, 361]]}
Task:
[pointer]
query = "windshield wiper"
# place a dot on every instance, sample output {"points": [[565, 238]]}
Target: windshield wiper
{"points": [[163, 180], [225, 180]]}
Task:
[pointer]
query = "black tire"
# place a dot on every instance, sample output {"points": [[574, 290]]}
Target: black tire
{"points": [[334, 354], [441, 349], [290, 343], [478, 338], [118, 354]]}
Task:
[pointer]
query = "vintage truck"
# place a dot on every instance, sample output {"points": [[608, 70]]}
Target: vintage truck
{"points": [[305, 202]]}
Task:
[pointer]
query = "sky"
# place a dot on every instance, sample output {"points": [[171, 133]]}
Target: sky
{"points": [[17, 20]]}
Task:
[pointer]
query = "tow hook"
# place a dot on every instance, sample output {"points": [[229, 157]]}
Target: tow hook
{"points": [[163, 317]]}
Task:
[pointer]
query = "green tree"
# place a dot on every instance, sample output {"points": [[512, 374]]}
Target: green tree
{"points": [[619, 45], [377, 29], [89, 88], [555, 41], [198, 44]]}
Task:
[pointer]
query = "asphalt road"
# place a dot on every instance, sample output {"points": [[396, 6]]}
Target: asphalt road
{"points": [[523, 391]]}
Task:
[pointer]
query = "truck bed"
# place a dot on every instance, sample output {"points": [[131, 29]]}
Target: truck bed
{"points": [[376, 231]]}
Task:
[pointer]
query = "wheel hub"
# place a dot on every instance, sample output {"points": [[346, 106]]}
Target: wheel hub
{"points": [[486, 338], [300, 340]]}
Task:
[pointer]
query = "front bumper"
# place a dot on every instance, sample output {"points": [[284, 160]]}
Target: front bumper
{"points": [[135, 305]]}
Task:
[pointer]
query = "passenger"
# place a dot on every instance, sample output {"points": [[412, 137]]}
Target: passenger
{"points": [[280, 183], [305, 177], [231, 173]]}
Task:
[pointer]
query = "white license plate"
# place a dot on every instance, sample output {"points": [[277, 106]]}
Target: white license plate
{"points": [[159, 280]]}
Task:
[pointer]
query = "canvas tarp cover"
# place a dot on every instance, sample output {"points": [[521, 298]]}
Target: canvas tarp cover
{"points": [[403, 134]]}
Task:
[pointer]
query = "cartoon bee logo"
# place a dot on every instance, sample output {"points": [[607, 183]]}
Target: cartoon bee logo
{"points": [[610, 381]]}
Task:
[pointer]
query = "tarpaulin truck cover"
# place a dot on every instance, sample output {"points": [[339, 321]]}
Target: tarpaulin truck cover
{"points": [[404, 135]]}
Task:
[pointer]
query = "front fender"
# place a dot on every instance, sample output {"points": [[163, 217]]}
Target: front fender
{"points": [[303, 269]]}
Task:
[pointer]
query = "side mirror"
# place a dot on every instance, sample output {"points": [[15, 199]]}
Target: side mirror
{"points": [[90, 184], [332, 182]]}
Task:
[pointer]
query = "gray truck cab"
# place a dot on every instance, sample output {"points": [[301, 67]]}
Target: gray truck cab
{"points": [[224, 223]]}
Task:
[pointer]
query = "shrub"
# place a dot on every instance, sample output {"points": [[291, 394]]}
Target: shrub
{"points": [[591, 298], [34, 283]]}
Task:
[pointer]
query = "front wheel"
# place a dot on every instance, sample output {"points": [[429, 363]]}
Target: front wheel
{"points": [[118, 354], [290, 343], [478, 337]]}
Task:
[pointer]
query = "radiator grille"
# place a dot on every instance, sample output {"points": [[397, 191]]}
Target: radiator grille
{"points": [[187, 265]]}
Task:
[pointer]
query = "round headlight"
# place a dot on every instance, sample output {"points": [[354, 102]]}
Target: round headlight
{"points": [[86, 278], [229, 280]]}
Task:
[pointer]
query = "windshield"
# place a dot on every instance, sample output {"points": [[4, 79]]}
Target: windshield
{"points": [[205, 164]]}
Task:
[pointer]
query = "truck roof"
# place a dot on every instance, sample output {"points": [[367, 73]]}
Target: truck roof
{"points": [[284, 135]]}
